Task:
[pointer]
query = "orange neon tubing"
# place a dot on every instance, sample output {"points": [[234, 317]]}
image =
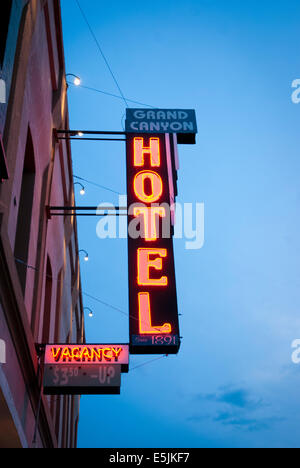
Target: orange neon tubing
{"points": [[143, 278], [145, 323], [156, 185], [149, 217], [139, 151]]}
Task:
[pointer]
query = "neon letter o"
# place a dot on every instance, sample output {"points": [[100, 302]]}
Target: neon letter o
{"points": [[156, 186]]}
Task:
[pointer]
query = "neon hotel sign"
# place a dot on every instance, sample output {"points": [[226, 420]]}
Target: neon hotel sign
{"points": [[151, 190]]}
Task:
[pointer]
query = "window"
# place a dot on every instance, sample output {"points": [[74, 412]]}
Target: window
{"points": [[25, 212], [47, 303], [58, 417], [3, 166], [59, 294], [4, 24]]}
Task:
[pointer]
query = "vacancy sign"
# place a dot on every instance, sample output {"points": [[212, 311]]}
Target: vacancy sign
{"points": [[81, 369]]}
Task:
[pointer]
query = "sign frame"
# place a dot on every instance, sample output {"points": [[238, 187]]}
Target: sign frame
{"points": [[182, 122]]}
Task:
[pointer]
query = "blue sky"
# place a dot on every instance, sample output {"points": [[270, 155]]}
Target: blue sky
{"points": [[233, 383]]}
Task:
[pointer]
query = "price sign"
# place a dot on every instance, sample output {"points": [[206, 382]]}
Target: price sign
{"points": [[90, 379]]}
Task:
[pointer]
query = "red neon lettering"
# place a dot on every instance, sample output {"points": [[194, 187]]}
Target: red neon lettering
{"points": [[85, 354], [76, 354], [140, 151], [116, 353], [96, 354], [106, 354], [66, 355], [144, 264], [156, 186], [56, 354], [145, 324]]}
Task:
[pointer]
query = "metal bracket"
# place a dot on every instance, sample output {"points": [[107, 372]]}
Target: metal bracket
{"points": [[73, 211], [79, 135], [40, 349]]}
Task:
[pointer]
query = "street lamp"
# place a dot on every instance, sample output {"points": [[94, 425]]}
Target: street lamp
{"points": [[91, 313], [76, 79], [82, 191], [86, 258]]}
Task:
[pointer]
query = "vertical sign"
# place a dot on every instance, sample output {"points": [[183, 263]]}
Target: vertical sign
{"points": [[153, 324]]}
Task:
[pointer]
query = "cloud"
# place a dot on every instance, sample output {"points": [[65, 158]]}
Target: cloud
{"points": [[223, 417], [197, 418], [239, 398], [245, 423], [235, 407]]}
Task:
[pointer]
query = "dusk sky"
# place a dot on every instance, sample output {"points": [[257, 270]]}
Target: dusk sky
{"points": [[233, 383]]}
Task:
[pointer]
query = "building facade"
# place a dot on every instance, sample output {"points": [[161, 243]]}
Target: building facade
{"points": [[40, 290]]}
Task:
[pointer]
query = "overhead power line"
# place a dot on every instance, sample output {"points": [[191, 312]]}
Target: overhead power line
{"points": [[146, 363], [97, 185], [100, 91], [101, 52], [96, 299]]}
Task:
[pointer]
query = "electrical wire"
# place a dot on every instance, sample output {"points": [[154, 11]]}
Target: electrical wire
{"points": [[110, 94], [126, 100], [96, 299], [110, 306], [101, 52], [123, 122], [106, 304], [97, 185], [144, 364], [149, 362]]}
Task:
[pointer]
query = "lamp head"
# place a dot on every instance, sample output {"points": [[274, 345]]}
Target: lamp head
{"points": [[77, 81]]}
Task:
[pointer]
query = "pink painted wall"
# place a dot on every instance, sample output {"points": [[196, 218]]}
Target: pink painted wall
{"points": [[33, 109]]}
